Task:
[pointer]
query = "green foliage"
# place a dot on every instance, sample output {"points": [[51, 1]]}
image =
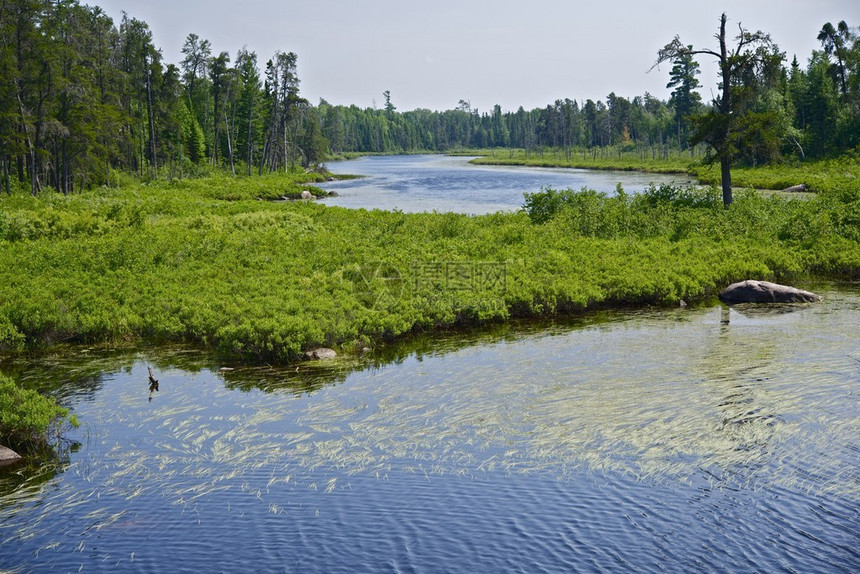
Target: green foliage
{"points": [[676, 196], [206, 262], [838, 175], [192, 134], [685, 100], [83, 99], [646, 158], [545, 204], [26, 417]]}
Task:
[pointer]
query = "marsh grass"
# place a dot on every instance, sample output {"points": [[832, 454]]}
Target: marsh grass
{"points": [[206, 262], [834, 175]]}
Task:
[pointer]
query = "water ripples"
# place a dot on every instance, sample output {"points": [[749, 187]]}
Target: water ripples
{"points": [[709, 439], [451, 184]]}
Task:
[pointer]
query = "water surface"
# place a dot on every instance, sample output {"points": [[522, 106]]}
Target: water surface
{"points": [[709, 439], [451, 184]]}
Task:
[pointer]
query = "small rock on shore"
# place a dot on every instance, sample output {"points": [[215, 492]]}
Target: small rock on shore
{"points": [[8, 456], [320, 353]]}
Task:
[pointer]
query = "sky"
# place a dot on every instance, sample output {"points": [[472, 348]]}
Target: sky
{"points": [[433, 54]]}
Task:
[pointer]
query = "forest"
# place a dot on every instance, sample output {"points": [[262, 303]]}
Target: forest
{"points": [[84, 103]]}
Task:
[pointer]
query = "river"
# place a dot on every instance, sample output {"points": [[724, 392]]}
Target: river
{"points": [[694, 439], [451, 184]]}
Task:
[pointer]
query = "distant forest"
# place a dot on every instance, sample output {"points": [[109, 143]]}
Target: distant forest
{"points": [[84, 101]]}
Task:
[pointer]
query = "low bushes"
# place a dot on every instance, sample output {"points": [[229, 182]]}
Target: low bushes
{"points": [[26, 417], [266, 281]]}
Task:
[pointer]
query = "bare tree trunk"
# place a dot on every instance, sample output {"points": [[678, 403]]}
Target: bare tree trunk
{"points": [[230, 151], [265, 153], [725, 110], [153, 157], [31, 150], [250, 120], [65, 169], [6, 175], [726, 175], [231, 126]]}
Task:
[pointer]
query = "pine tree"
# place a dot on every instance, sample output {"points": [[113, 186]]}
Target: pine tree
{"points": [[684, 99]]}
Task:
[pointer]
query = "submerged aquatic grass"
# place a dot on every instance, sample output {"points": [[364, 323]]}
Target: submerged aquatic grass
{"points": [[660, 396], [696, 400]]}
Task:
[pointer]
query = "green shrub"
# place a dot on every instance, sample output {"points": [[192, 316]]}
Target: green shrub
{"points": [[680, 196], [27, 418], [543, 205], [265, 281]]}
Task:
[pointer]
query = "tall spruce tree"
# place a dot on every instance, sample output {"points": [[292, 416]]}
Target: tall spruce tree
{"points": [[685, 100]]}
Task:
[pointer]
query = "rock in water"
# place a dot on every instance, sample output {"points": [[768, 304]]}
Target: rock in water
{"points": [[320, 353], [307, 195], [751, 291], [8, 456]]}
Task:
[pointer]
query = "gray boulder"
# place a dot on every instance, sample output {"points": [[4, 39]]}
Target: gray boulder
{"points": [[320, 353], [795, 188], [8, 456], [307, 195], [751, 291]]}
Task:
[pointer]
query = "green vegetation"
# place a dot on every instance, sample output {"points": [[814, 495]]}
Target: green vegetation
{"points": [[649, 159], [90, 110], [744, 122], [85, 103], [26, 417], [200, 262], [825, 175]]}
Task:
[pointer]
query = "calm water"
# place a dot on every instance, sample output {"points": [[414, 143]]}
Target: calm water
{"points": [[708, 439], [441, 183]]}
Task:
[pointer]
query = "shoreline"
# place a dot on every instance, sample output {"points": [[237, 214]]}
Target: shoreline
{"points": [[487, 160], [205, 262], [599, 313]]}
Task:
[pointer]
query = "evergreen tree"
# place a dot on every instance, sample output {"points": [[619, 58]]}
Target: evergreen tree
{"points": [[835, 42], [248, 125], [684, 99]]}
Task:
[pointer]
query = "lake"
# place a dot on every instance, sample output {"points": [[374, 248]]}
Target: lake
{"points": [[451, 184], [693, 439]]}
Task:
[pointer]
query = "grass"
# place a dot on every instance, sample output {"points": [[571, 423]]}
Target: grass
{"points": [[829, 175], [646, 159], [206, 262], [210, 263]]}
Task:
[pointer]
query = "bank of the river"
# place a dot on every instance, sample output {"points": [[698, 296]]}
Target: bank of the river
{"points": [[206, 262], [820, 176], [25, 419]]}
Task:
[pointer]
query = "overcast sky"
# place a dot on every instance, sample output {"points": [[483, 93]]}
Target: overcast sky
{"points": [[514, 53]]}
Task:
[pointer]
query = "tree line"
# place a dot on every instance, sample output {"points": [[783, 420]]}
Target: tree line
{"points": [[787, 111], [83, 100], [566, 124]]}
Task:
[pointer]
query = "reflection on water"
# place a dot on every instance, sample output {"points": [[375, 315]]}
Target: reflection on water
{"points": [[714, 438], [451, 184]]}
